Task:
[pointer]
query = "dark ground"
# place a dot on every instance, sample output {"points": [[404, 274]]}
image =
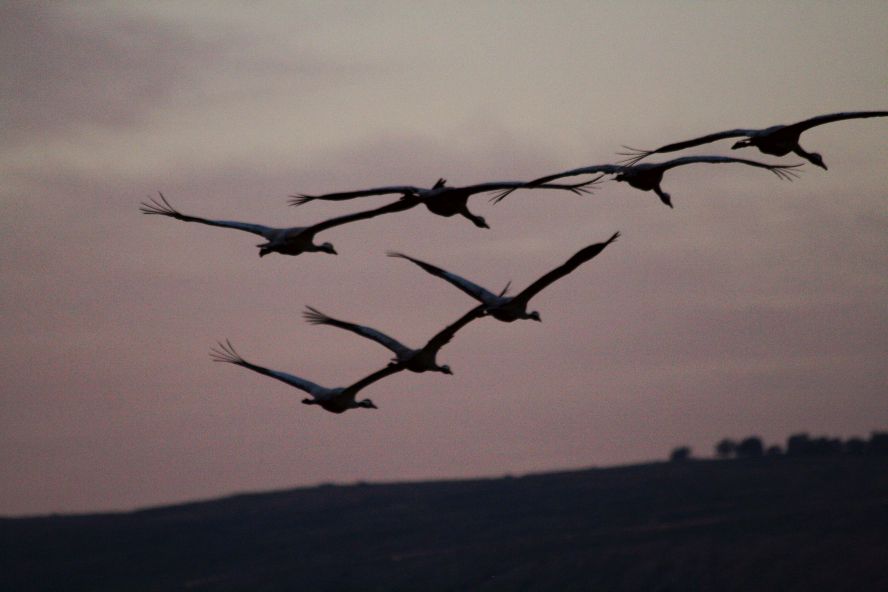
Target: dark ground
{"points": [[759, 524]]}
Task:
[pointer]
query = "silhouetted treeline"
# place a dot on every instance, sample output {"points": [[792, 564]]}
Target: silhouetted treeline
{"points": [[796, 445], [804, 445]]}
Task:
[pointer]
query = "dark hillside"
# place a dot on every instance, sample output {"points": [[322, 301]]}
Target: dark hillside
{"points": [[760, 524]]}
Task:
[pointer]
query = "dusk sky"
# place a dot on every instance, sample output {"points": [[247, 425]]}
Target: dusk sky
{"points": [[755, 307]]}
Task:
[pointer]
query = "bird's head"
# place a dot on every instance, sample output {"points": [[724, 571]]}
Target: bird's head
{"points": [[327, 248], [446, 369], [534, 316], [741, 144], [309, 402], [263, 251], [367, 404], [665, 198], [480, 222], [816, 159]]}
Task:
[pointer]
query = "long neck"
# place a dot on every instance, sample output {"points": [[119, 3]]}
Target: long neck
{"points": [[811, 157], [664, 197], [476, 220]]}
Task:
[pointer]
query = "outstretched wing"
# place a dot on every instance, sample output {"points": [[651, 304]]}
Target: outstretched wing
{"points": [[513, 185], [634, 155], [474, 290], [821, 119], [544, 182], [351, 390], [162, 207], [398, 206], [581, 256], [784, 171], [225, 352], [406, 190], [585, 187], [444, 336], [316, 317]]}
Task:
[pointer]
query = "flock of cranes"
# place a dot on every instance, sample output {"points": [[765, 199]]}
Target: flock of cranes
{"points": [[442, 200]]}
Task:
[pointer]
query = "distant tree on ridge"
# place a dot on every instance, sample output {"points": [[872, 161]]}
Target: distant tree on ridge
{"points": [[680, 454], [726, 448], [855, 446], [798, 445], [878, 443], [750, 447], [774, 450]]}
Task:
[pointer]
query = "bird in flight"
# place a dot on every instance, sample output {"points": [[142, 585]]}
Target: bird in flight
{"points": [[777, 140], [511, 308], [334, 400], [415, 360], [441, 199], [647, 176], [286, 241]]}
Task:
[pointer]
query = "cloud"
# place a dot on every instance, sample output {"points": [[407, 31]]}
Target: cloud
{"points": [[61, 69], [64, 68]]}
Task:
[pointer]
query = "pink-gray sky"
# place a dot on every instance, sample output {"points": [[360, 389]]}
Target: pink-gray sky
{"points": [[754, 307]]}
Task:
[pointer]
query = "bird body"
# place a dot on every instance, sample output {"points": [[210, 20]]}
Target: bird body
{"points": [[512, 308], [286, 241], [415, 360], [440, 199], [777, 140], [451, 201], [334, 400], [648, 176]]}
